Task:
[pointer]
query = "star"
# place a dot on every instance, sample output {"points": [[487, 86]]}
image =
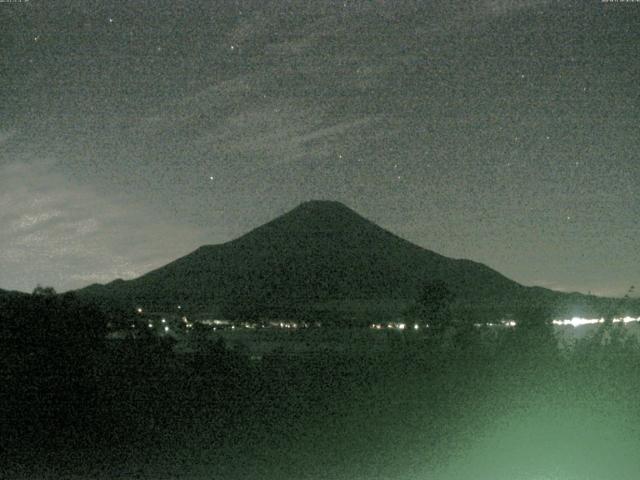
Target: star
{"points": [[110, 20]]}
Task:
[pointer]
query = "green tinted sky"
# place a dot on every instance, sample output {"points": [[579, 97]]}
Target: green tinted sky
{"points": [[501, 131]]}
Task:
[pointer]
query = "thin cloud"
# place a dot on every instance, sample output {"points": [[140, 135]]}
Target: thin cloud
{"points": [[7, 134], [64, 234]]}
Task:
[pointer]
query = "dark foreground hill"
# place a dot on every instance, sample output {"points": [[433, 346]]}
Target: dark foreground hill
{"points": [[322, 257], [7, 294]]}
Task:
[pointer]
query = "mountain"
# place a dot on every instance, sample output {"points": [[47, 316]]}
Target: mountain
{"points": [[319, 257]]}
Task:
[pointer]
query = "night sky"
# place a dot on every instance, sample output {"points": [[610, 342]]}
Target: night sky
{"points": [[503, 131]]}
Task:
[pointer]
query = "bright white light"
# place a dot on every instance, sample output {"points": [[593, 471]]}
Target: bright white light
{"points": [[139, 310], [578, 321], [416, 326], [164, 320], [151, 325], [401, 326], [166, 329], [625, 320]]}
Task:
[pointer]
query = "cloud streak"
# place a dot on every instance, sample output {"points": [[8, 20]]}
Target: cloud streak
{"points": [[66, 235]]}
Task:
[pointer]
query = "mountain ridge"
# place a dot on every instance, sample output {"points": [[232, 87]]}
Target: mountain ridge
{"points": [[319, 253]]}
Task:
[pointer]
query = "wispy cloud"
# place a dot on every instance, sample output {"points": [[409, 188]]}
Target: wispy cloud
{"points": [[504, 7], [238, 122], [7, 134], [64, 234]]}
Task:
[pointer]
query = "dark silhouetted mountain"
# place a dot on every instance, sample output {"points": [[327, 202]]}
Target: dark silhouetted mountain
{"points": [[319, 256]]}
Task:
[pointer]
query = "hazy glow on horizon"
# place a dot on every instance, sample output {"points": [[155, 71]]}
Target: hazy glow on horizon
{"points": [[578, 321]]}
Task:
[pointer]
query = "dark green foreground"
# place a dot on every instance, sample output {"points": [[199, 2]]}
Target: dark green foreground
{"points": [[482, 405]]}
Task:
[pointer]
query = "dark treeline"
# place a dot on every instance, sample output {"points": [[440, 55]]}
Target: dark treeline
{"points": [[76, 403]]}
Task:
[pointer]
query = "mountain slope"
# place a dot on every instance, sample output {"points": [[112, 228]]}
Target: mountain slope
{"points": [[320, 253]]}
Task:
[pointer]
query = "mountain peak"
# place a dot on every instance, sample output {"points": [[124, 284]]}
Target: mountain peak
{"points": [[327, 209], [315, 254], [312, 218], [323, 205]]}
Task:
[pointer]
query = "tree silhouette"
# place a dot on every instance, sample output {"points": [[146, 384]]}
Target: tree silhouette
{"points": [[433, 307], [44, 291], [51, 348], [532, 343]]}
